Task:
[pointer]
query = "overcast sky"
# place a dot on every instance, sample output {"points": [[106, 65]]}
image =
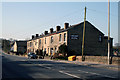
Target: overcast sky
{"points": [[20, 20]]}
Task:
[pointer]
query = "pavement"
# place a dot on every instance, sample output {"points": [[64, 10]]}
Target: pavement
{"points": [[20, 68], [91, 64]]}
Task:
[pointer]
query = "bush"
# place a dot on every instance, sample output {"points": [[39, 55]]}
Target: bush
{"points": [[56, 55], [5, 45], [63, 49]]}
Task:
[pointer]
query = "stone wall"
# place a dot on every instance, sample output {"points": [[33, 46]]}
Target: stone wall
{"points": [[92, 43], [45, 44], [99, 59]]}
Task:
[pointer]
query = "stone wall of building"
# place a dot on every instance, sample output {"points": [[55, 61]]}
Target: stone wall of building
{"points": [[29, 46], [93, 45], [95, 42], [15, 47], [52, 47], [45, 44]]}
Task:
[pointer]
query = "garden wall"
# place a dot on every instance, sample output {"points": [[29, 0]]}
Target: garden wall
{"points": [[99, 59]]}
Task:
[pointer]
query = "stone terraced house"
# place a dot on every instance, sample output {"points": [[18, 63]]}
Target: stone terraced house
{"points": [[95, 40], [19, 47]]}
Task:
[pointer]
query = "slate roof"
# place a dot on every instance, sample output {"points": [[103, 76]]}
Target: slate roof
{"points": [[21, 43], [63, 30]]}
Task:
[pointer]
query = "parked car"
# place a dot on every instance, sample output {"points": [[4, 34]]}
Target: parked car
{"points": [[32, 55]]}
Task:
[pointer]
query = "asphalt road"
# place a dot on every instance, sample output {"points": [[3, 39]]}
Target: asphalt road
{"points": [[0, 66], [21, 68]]}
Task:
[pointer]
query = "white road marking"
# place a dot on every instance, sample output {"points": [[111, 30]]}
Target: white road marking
{"points": [[48, 67], [69, 74], [45, 67], [96, 74]]}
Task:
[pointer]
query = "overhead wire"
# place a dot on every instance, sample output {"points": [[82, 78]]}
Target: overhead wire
{"points": [[60, 18], [105, 13], [67, 16]]}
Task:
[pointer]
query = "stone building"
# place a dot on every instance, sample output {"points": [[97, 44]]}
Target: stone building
{"points": [[19, 47], [95, 41]]}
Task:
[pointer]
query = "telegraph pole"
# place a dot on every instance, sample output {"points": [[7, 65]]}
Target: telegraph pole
{"points": [[108, 31], [83, 36]]}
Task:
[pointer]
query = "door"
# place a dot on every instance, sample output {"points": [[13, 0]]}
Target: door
{"points": [[51, 51]]}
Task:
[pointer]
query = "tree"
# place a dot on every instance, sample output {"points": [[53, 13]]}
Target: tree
{"points": [[63, 49], [5, 45]]}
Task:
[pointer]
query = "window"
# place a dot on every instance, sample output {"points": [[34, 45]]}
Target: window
{"points": [[60, 37], [39, 41], [64, 36], [51, 51], [100, 38], [45, 40], [45, 49], [51, 39], [33, 50], [30, 44], [55, 50], [48, 50], [35, 43]]}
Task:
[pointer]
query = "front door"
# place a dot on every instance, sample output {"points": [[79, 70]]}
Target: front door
{"points": [[51, 51]]}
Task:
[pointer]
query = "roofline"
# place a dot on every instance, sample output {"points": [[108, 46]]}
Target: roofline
{"points": [[95, 28], [70, 27]]}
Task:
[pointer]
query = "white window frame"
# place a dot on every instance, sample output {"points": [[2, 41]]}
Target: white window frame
{"points": [[51, 39]]}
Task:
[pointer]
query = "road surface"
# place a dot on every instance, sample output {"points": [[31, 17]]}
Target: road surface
{"points": [[0, 65], [21, 68]]}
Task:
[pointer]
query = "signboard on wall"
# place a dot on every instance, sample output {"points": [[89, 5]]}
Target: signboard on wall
{"points": [[74, 36]]}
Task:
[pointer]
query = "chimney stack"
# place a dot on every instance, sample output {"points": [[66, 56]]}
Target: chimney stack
{"points": [[32, 36], [46, 32], [51, 30], [66, 25], [37, 35], [57, 28]]}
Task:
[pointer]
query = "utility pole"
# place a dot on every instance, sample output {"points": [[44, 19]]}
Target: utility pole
{"points": [[83, 35], [108, 31]]}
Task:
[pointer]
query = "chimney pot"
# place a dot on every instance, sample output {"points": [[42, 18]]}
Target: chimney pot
{"points": [[51, 30], [37, 35], [57, 28], [46, 32], [66, 25], [32, 36]]}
